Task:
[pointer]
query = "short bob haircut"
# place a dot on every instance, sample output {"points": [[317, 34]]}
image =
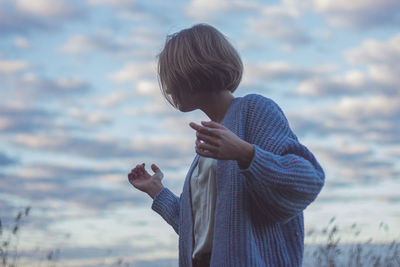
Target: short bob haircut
{"points": [[197, 59]]}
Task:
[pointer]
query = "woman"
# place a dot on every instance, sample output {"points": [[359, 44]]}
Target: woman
{"points": [[244, 195]]}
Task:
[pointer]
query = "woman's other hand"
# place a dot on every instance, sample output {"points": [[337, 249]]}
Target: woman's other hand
{"points": [[142, 180], [213, 140]]}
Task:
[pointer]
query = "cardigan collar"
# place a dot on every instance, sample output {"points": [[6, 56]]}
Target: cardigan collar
{"points": [[188, 247]]}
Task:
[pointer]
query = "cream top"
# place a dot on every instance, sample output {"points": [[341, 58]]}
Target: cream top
{"points": [[203, 193]]}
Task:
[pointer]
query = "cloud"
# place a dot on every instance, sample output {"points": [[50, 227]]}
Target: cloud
{"points": [[392, 151], [81, 44], [359, 14], [348, 161], [89, 120], [107, 147], [8, 67], [21, 43], [158, 108], [19, 81], [63, 85], [15, 117], [371, 118], [156, 262], [44, 8], [5, 160], [134, 71], [58, 172], [279, 23], [78, 186], [29, 85], [204, 9], [208, 9], [376, 52], [352, 83], [84, 147], [381, 59], [281, 71], [382, 75], [115, 98], [20, 118], [374, 106], [148, 88], [22, 16], [133, 10], [139, 43], [115, 3]]}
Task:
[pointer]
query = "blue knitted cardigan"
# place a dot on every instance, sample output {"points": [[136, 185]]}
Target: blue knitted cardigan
{"points": [[259, 210]]}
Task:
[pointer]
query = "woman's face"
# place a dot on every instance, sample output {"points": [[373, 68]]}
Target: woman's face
{"points": [[187, 102]]}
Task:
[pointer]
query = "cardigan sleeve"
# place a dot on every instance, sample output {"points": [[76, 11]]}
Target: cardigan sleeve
{"points": [[167, 204], [283, 177]]}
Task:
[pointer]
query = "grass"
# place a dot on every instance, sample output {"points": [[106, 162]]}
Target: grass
{"points": [[9, 241], [330, 252]]}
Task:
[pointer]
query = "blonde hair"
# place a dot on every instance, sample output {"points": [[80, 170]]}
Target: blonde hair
{"points": [[197, 59]]}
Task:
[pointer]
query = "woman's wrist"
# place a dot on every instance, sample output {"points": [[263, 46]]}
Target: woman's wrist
{"points": [[155, 189], [246, 155]]}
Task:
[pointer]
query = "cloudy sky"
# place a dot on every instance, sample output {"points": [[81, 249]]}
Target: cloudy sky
{"points": [[80, 107]]}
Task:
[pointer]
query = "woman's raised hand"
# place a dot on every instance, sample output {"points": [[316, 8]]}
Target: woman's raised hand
{"points": [[213, 140], [142, 180]]}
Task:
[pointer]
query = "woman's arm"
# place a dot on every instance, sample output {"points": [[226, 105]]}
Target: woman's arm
{"points": [[282, 186], [167, 204], [283, 177]]}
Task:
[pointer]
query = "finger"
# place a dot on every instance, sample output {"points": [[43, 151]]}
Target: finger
{"points": [[213, 124], [202, 129], [194, 126], [207, 139], [135, 172], [131, 177], [155, 168], [141, 168], [197, 142], [205, 146], [206, 154]]}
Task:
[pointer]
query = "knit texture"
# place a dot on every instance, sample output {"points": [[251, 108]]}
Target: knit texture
{"points": [[259, 210]]}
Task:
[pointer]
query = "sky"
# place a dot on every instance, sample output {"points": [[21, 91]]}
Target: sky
{"points": [[80, 106]]}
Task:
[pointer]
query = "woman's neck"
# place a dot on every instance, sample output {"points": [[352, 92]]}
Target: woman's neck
{"points": [[215, 105]]}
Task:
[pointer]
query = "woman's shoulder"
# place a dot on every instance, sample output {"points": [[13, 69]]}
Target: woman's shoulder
{"points": [[258, 106], [257, 101], [262, 112]]}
